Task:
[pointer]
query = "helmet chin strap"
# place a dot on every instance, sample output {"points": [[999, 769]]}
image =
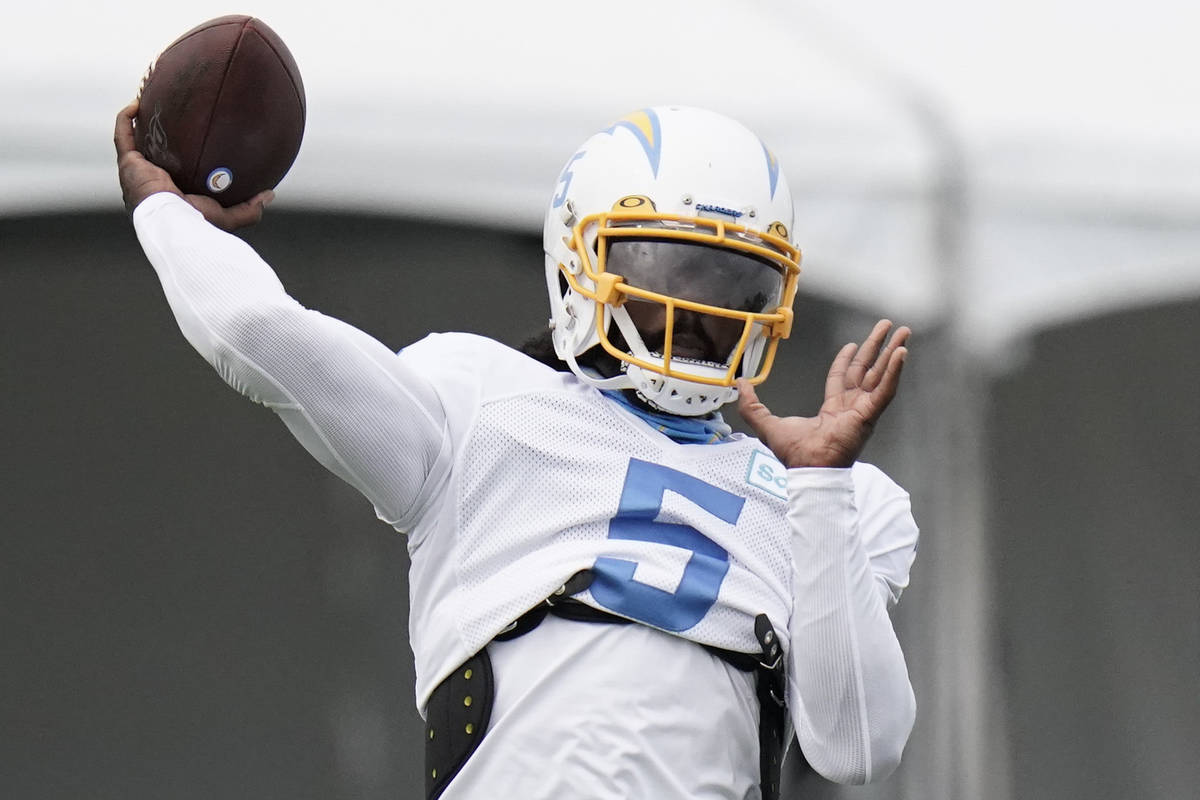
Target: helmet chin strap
{"points": [[591, 376], [672, 395], [669, 395]]}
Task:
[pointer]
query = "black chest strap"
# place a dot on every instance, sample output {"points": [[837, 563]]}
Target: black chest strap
{"points": [[772, 707], [460, 707]]}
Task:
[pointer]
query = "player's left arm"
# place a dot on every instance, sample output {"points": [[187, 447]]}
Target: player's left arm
{"points": [[853, 541]]}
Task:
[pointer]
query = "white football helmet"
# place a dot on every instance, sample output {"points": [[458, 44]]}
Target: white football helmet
{"points": [[674, 224]]}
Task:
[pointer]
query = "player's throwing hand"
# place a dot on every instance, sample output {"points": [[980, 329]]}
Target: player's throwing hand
{"points": [[140, 178], [861, 383]]}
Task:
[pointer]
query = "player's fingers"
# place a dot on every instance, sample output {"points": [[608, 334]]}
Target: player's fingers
{"points": [[242, 216], [123, 133], [754, 411], [865, 357], [251, 212], [239, 216], [871, 380], [883, 394], [835, 381]]}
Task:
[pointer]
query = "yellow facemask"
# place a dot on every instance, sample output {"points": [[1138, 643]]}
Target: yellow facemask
{"points": [[635, 217]]}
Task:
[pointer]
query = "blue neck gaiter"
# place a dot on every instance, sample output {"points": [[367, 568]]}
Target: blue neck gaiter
{"points": [[682, 430]]}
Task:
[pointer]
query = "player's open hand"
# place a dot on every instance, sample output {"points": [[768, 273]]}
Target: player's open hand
{"points": [[140, 178], [861, 383]]}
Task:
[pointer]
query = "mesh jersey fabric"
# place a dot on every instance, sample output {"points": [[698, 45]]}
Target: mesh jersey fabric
{"points": [[508, 477]]}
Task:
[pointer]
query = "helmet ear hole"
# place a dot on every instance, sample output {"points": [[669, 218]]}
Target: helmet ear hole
{"points": [[562, 284]]}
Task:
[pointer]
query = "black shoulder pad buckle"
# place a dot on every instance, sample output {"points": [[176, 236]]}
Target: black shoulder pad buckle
{"points": [[768, 640]]}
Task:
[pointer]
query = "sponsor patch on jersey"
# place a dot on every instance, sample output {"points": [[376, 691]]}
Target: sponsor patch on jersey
{"points": [[767, 474]]}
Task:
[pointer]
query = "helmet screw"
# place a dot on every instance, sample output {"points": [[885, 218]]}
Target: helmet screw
{"points": [[752, 213], [687, 199]]}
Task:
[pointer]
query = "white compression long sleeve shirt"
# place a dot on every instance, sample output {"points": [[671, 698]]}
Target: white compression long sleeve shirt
{"points": [[343, 394], [379, 425], [848, 689]]}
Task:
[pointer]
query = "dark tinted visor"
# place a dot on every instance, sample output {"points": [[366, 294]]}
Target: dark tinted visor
{"points": [[713, 276]]}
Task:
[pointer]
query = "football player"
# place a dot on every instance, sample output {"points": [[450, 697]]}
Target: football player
{"points": [[613, 595]]}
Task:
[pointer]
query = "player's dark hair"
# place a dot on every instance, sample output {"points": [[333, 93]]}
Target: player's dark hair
{"points": [[540, 347]]}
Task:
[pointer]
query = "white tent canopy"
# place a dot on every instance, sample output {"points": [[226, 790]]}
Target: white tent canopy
{"points": [[1003, 173]]}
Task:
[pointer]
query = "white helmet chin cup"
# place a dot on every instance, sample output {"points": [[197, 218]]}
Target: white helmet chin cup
{"points": [[690, 163], [675, 396]]}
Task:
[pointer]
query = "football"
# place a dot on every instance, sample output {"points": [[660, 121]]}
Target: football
{"points": [[222, 110]]}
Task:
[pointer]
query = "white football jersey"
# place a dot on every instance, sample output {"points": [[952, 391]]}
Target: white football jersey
{"points": [[549, 476]]}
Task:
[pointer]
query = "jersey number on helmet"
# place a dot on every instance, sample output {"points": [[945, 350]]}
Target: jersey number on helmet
{"points": [[641, 501]]}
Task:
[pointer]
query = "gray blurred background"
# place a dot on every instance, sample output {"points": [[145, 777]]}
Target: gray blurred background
{"points": [[190, 607]]}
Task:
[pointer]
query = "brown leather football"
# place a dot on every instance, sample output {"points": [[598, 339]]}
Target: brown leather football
{"points": [[222, 109]]}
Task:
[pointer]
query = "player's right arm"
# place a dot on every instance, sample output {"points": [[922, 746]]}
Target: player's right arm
{"points": [[345, 396]]}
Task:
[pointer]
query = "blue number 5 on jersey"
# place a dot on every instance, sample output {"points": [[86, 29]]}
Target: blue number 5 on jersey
{"points": [[641, 501]]}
